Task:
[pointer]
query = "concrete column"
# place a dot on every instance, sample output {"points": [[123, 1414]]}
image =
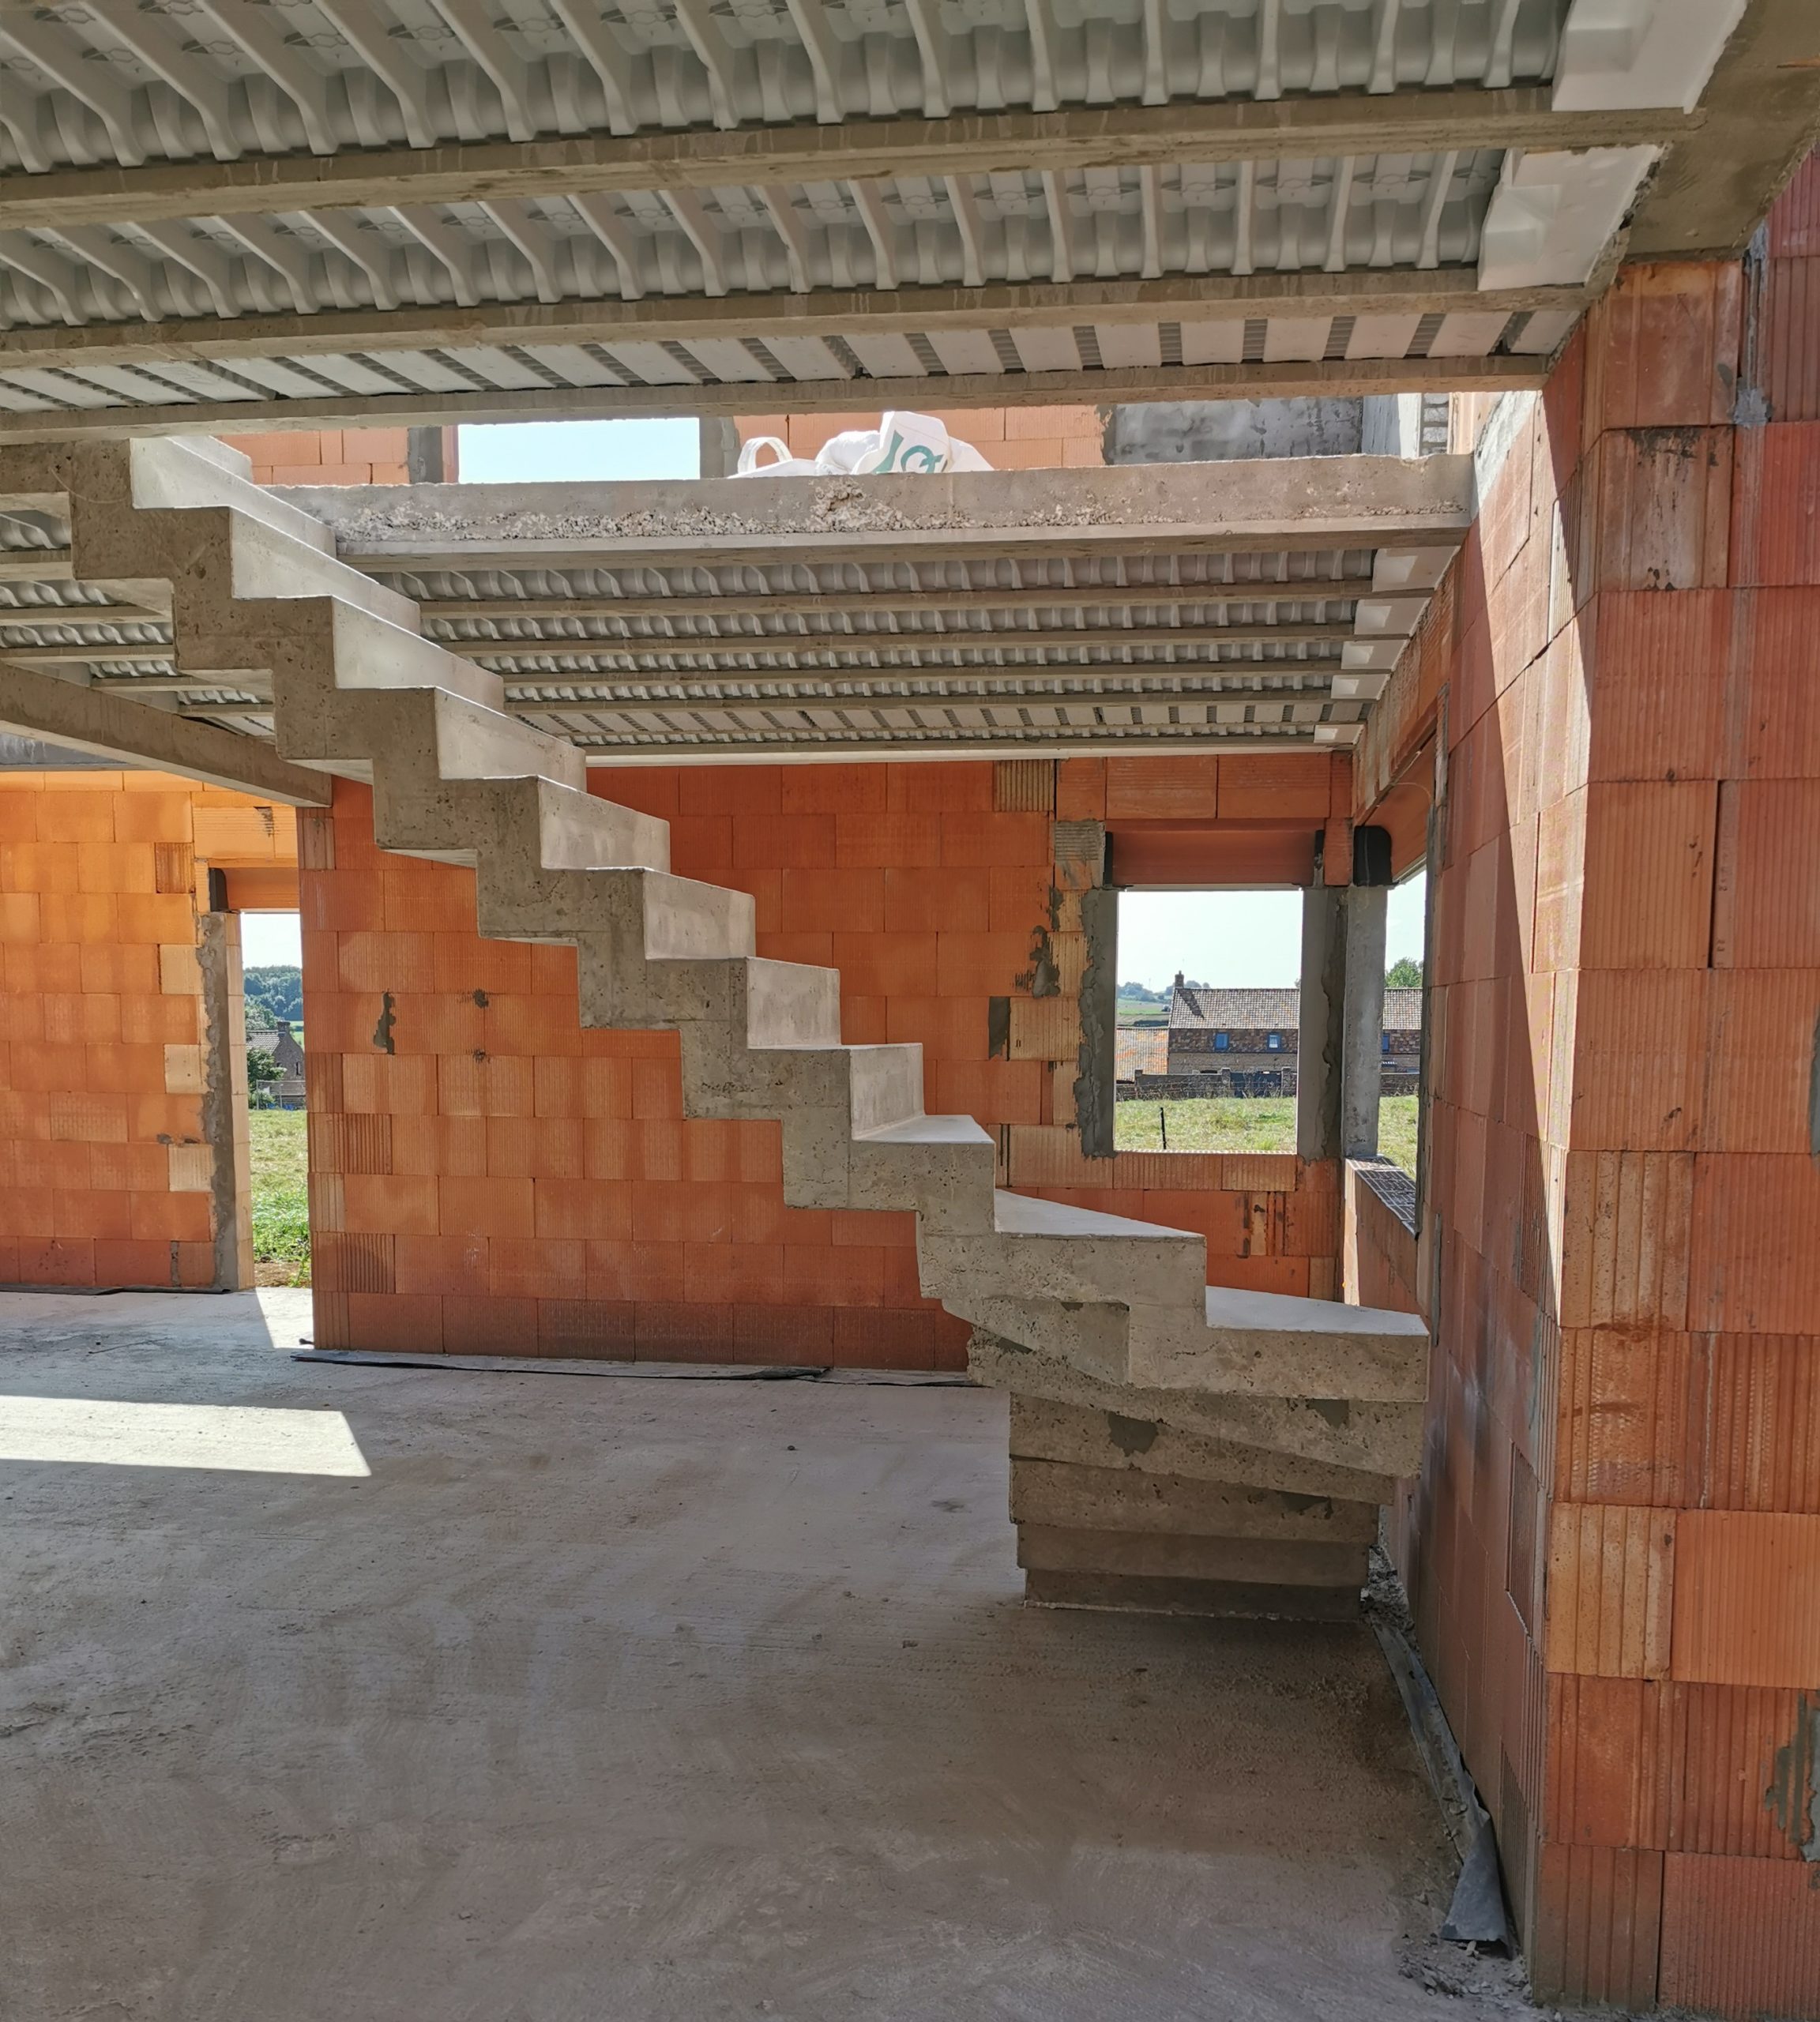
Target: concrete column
{"points": [[720, 445], [1096, 1087], [1365, 909], [1318, 1058]]}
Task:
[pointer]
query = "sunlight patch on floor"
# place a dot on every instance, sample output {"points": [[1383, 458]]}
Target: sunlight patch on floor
{"points": [[239, 1438]]}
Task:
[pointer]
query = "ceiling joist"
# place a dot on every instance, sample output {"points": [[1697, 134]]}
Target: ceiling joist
{"points": [[1498, 374], [1077, 138]]}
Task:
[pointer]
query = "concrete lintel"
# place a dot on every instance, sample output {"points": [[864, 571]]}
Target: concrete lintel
{"points": [[1076, 138], [1107, 387], [39, 705]]}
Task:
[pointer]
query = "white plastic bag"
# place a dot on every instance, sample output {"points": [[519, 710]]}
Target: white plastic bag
{"points": [[783, 464], [902, 445], [918, 445]]}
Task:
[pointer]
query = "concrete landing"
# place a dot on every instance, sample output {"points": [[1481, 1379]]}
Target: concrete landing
{"points": [[650, 1699]]}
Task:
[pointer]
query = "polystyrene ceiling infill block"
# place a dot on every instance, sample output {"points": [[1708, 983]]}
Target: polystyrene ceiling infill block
{"points": [[1553, 214], [1622, 55]]}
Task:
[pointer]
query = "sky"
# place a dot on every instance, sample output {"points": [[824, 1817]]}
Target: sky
{"points": [[1230, 940], [270, 940], [537, 452]]}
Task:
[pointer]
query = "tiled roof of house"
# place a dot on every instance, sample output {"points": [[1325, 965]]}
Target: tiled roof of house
{"points": [[1272, 1010], [1139, 1050], [1234, 1010]]}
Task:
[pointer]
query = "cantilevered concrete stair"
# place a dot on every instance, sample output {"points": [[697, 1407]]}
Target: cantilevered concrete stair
{"points": [[1174, 1446]]}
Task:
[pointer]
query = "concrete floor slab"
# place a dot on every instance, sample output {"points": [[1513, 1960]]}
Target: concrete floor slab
{"points": [[644, 1701]]}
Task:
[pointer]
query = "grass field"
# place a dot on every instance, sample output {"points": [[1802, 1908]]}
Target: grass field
{"points": [[1239, 1123], [280, 1200]]}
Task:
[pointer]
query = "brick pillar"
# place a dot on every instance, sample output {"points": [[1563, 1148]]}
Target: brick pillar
{"points": [[1617, 1570]]}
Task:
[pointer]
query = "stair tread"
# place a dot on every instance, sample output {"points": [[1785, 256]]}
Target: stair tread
{"points": [[928, 1130], [1024, 1214], [1230, 1309]]}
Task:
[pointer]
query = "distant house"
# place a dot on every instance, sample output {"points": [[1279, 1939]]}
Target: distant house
{"points": [[1245, 1041], [287, 1055], [1140, 1050]]}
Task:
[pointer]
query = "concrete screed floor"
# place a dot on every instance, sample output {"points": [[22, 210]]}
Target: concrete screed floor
{"points": [[614, 1699]]}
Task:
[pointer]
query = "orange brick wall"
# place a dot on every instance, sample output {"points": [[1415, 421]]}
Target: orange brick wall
{"points": [[1616, 1569], [490, 1177], [335, 455], [109, 1167], [1009, 438]]}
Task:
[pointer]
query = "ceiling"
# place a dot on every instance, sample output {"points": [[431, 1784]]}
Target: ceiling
{"points": [[237, 214], [1019, 614]]}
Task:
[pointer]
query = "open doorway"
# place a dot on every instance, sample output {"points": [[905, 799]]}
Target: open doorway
{"points": [[1208, 1020], [272, 996]]}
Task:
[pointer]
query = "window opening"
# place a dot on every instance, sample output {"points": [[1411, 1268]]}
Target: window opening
{"points": [[1208, 1018]]}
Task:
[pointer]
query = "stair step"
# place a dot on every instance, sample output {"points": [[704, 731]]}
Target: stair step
{"points": [[179, 474], [1024, 1214], [1067, 1496], [930, 1130], [1243, 1600], [792, 1004], [1376, 1439], [1163, 1555], [1101, 1436], [1272, 1342]]}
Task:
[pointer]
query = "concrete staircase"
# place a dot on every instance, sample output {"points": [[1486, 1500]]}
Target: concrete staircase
{"points": [[1174, 1446]]}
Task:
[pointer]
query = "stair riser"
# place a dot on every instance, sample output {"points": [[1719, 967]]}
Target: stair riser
{"points": [[949, 1186], [1168, 1272]]}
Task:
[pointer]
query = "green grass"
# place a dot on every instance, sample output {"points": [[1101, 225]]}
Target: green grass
{"points": [[1134, 1011], [1212, 1123], [1244, 1123], [280, 1196], [1397, 1132]]}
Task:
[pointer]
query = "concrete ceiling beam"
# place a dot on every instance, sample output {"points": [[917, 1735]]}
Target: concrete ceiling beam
{"points": [[1035, 690], [1108, 386], [40, 705], [899, 603], [853, 643], [1076, 138], [839, 312]]}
